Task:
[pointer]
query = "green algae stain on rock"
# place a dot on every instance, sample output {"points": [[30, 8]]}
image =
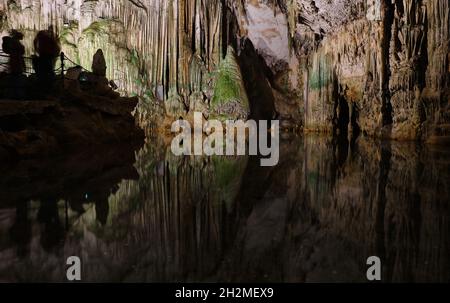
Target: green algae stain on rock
{"points": [[321, 73], [228, 175], [230, 99]]}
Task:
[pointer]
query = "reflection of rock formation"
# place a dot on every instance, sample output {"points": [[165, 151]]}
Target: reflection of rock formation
{"points": [[166, 218], [183, 209], [324, 227], [225, 219], [49, 201]]}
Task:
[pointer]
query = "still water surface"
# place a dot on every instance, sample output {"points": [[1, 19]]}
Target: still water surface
{"points": [[150, 216]]}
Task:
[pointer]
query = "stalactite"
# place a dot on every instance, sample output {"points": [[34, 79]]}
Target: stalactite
{"points": [[438, 73], [392, 65], [160, 33], [389, 59]]}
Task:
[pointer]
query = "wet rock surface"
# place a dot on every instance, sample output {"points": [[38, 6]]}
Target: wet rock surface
{"points": [[75, 120]]}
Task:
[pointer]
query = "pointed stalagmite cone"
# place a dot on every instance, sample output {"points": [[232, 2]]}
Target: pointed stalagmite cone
{"points": [[99, 64]]}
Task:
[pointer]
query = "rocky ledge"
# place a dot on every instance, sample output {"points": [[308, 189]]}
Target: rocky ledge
{"points": [[71, 121]]}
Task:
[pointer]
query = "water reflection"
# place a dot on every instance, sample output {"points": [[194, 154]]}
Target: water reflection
{"points": [[317, 216]]}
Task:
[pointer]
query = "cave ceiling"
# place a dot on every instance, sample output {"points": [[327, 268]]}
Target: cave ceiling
{"points": [[319, 16]]}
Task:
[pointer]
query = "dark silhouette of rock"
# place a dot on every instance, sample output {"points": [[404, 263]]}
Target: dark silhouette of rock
{"points": [[47, 127], [72, 78], [99, 64]]}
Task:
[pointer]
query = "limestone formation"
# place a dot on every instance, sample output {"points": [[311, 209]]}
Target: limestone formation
{"points": [[230, 98], [380, 66], [364, 71], [71, 122]]}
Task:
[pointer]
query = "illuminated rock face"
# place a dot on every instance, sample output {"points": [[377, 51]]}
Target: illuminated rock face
{"points": [[378, 66], [384, 71], [148, 45]]}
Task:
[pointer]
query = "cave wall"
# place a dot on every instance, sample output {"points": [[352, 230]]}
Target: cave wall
{"points": [[391, 67], [149, 45], [381, 65]]}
